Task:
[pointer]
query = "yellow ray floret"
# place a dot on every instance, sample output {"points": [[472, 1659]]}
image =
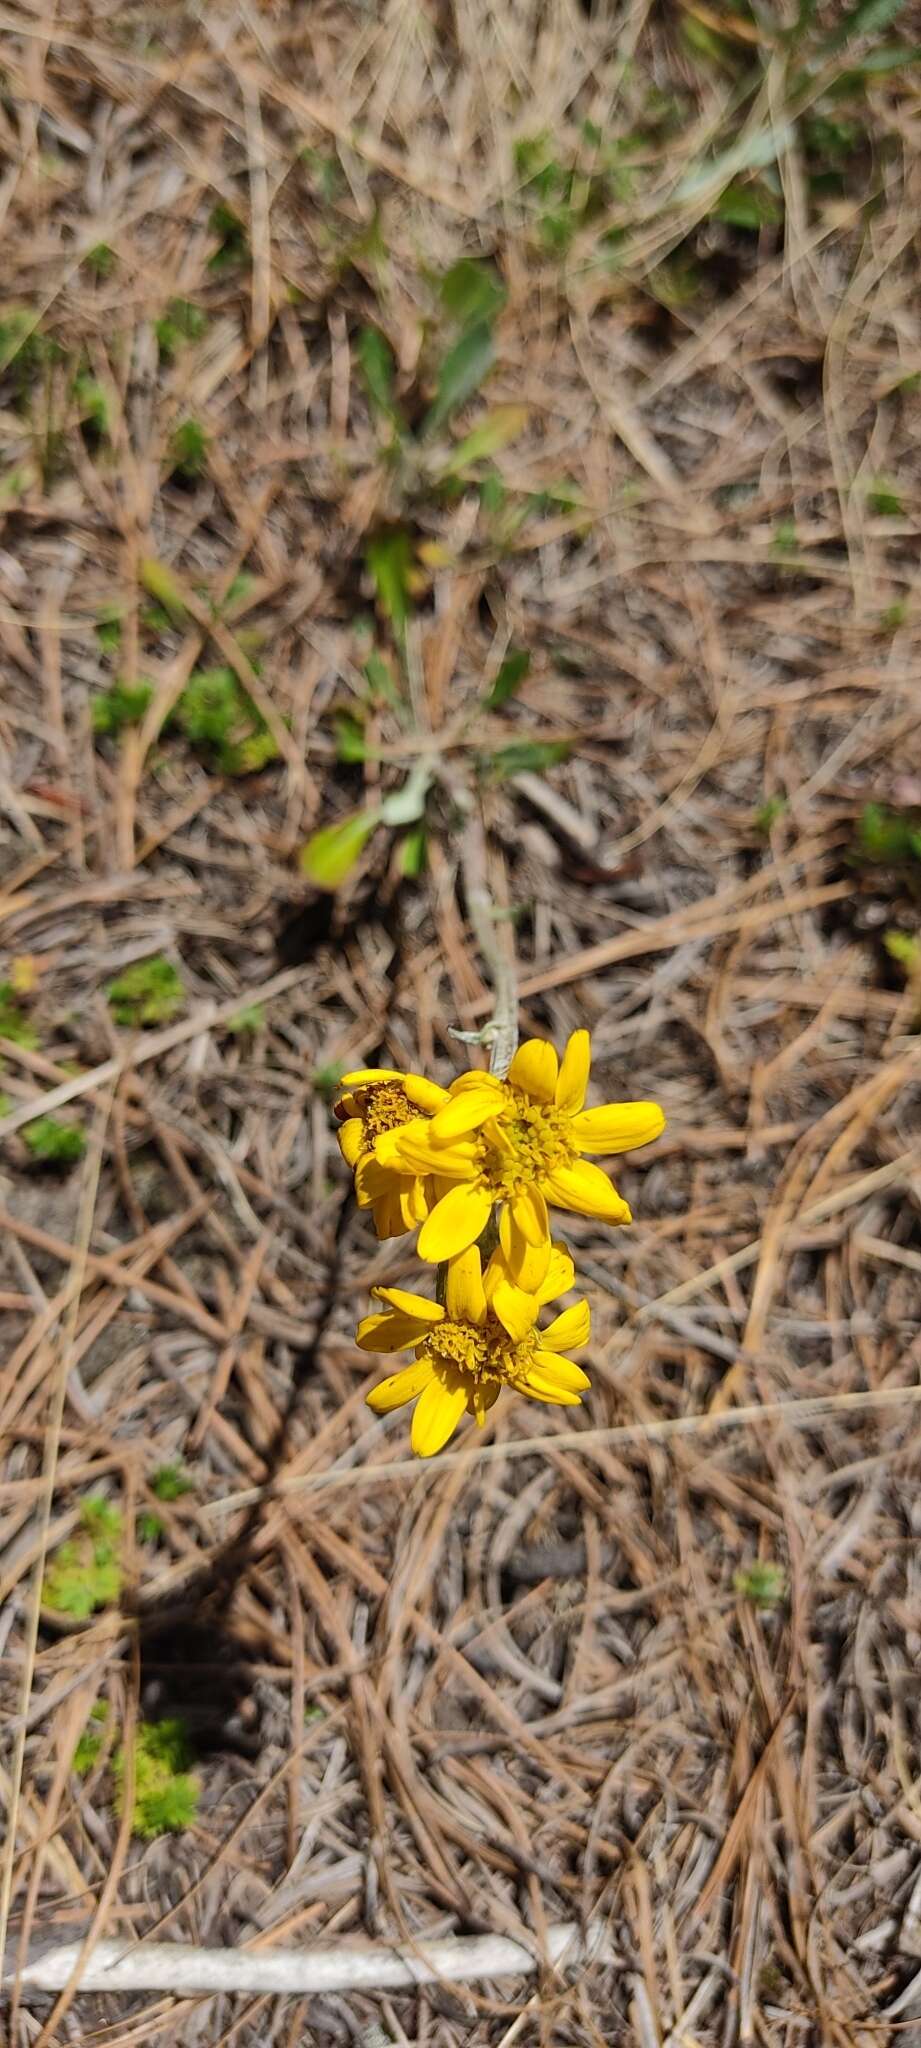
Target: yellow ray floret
{"points": [[519, 1143], [378, 1100], [485, 1337]]}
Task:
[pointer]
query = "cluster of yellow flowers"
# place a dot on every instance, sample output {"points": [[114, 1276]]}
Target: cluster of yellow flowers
{"points": [[452, 1159]]}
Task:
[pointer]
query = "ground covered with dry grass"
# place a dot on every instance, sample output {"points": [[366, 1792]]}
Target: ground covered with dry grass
{"points": [[447, 428]]}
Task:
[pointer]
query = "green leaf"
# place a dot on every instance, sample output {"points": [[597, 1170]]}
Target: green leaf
{"points": [[471, 293], [761, 1583], [884, 501], [461, 373], [330, 855], [54, 1144], [160, 584], [766, 817], [350, 740], [166, 1794], [528, 756], [378, 368], [389, 558], [748, 206], [500, 426], [404, 805], [905, 948], [412, 853], [380, 680], [862, 20], [511, 672]]}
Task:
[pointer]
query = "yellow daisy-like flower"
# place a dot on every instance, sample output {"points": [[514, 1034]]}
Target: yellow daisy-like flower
{"points": [[519, 1143], [483, 1339], [379, 1100]]}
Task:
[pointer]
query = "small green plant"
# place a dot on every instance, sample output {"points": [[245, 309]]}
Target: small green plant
{"points": [[150, 992], [54, 1144], [149, 1527], [90, 1743], [511, 672], [189, 449], [166, 1793], [525, 756], [247, 1021], [232, 245], [85, 1573], [180, 323], [766, 816], [92, 401], [101, 260], [905, 947], [214, 711], [170, 1482], [14, 1024], [125, 704], [108, 628], [888, 837], [762, 1584]]}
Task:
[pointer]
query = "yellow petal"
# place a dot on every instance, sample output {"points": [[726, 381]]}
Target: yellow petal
{"points": [[465, 1299], [574, 1072], [346, 1106], [407, 1304], [476, 1078], [540, 1390], [464, 1113], [561, 1275], [516, 1310], [389, 1213], [436, 1417], [351, 1138], [411, 1150], [455, 1222], [415, 1201], [534, 1069], [423, 1094], [529, 1216], [389, 1333], [588, 1191], [553, 1371], [365, 1077], [617, 1126], [572, 1327], [527, 1263], [400, 1387]]}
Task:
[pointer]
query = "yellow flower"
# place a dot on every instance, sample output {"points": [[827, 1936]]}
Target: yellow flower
{"points": [[379, 1100], [519, 1143], [483, 1339]]}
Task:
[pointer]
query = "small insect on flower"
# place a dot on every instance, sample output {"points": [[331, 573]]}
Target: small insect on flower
{"points": [[486, 1337], [519, 1143], [377, 1101]]}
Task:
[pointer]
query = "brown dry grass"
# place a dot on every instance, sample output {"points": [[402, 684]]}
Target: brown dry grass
{"points": [[517, 1687]]}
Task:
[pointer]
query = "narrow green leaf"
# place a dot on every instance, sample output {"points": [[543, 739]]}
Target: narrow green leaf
{"points": [[389, 558], [500, 426], [462, 372], [511, 672], [330, 855], [863, 20], [524, 756], [748, 206], [350, 739], [378, 368], [412, 852], [471, 292]]}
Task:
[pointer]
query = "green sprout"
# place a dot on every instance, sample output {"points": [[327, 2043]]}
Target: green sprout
{"points": [[189, 448], [151, 992], [181, 322], [762, 1584], [90, 1743], [170, 1482]]}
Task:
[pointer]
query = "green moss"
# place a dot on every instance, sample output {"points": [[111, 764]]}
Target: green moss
{"points": [[189, 448], [150, 992], [166, 1793], [180, 323], [85, 1572], [170, 1482], [14, 1024], [54, 1144], [90, 1743], [215, 711], [125, 704]]}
